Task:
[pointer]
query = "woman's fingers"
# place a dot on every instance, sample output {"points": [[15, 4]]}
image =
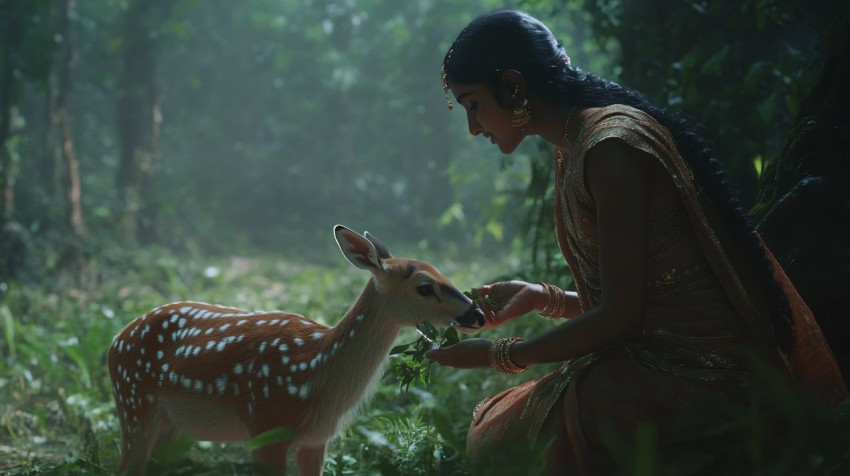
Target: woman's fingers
{"points": [[470, 353]]}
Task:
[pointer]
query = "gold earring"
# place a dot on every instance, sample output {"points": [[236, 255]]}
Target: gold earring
{"points": [[521, 115]]}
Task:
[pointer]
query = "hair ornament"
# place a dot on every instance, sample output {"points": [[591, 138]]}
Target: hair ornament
{"points": [[446, 81]]}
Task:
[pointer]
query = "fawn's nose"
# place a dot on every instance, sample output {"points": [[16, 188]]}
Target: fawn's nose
{"points": [[473, 318]]}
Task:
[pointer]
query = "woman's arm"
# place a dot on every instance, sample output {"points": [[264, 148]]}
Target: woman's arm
{"points": [[517, 298], [617, 176]]}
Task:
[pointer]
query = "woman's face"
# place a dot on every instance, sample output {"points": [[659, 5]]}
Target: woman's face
{"points": [[486, 117]]}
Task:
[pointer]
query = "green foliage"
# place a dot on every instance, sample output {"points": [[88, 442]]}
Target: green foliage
{"points": [[738, 68], [409, 365], [57, 415], [270, 437], [56, 406]]}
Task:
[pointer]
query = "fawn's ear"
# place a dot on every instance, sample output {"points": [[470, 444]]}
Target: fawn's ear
{"points": [[358, 250], [383, 251]]}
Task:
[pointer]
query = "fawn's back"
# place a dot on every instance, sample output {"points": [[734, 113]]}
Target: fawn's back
{"points": [[244, 357]]}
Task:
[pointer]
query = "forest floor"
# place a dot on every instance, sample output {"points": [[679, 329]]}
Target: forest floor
{"points": [[58, 417]]}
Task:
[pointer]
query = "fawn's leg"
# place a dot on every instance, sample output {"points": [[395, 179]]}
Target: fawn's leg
{"points": [[139, 444], [311, 461]]}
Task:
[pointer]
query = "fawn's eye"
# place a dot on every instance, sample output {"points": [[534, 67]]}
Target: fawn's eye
{"points": [[425, 290]]}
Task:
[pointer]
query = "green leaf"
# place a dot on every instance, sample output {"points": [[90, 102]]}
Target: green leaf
{"points": [[270, 437], [400, 348], [714, 64], [450, 337], [428, 330], [9, 327]]}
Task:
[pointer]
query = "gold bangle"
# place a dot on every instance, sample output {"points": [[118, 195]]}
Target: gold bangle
{"points": [[557, 303], [500, 358]]}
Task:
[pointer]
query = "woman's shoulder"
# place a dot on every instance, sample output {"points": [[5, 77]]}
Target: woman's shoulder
{"points": [[619, 121], [614, 112]]}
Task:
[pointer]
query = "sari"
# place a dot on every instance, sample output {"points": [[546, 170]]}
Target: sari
{"points": [[701, 325]]}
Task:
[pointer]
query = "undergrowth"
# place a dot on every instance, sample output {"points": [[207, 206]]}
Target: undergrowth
{"points": [[57, 415]]}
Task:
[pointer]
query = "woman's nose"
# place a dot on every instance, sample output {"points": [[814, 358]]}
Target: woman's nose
{"points": [[474, 127]]}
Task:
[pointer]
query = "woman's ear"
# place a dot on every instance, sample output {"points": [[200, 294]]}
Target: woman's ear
{"points": [[513, 89]]}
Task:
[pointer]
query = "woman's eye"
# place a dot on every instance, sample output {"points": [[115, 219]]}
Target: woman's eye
{"points": [[425, 290]]}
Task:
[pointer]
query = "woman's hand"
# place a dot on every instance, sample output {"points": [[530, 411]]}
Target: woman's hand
{"points": [[512, 299], [466, 354]]}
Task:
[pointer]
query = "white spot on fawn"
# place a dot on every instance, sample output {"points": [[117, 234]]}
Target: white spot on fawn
{"points": [[221, 384]]}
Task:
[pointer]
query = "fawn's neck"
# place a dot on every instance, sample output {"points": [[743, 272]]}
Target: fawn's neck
{"points": [[358, 347]]}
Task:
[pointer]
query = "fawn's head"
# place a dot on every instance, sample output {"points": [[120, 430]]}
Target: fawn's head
{"points": [[414, 290]]}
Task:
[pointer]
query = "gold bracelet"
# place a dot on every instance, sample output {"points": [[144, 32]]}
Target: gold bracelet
{"points": [[500, 358], [557, 303]]}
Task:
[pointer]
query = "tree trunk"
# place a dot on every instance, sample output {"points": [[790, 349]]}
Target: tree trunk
{"points": [[803, 208], [72, 188], [10, 252], [139, 117]]}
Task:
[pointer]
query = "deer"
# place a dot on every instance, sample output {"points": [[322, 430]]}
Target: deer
{"points": [[217, 373]]}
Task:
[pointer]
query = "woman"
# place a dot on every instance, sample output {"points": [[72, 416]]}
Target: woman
{"points": [[675, 291]]}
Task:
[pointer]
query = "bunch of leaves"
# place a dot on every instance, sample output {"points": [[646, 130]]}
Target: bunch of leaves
{"points": [[477, 297], [409, 363]]}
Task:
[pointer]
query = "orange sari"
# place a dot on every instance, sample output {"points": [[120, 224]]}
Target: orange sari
{"points": [[700, 328]]}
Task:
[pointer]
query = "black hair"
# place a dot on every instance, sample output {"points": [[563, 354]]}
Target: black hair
{"points": [[510, 39]]}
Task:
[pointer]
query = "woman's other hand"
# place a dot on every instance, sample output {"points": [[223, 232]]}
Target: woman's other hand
{"points": [[466, 354], [509, 300]]}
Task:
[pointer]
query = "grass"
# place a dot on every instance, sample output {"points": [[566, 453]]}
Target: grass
{"points": [[57, 414]]}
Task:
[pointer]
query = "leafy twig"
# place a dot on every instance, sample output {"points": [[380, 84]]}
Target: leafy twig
{"points": [[409, 363]]}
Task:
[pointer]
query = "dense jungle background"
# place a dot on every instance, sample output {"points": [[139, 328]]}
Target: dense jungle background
{"points": [[161, 150]]}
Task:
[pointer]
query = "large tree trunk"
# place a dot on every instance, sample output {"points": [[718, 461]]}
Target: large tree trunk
{"points": [[803, 210], [139, 116]]}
